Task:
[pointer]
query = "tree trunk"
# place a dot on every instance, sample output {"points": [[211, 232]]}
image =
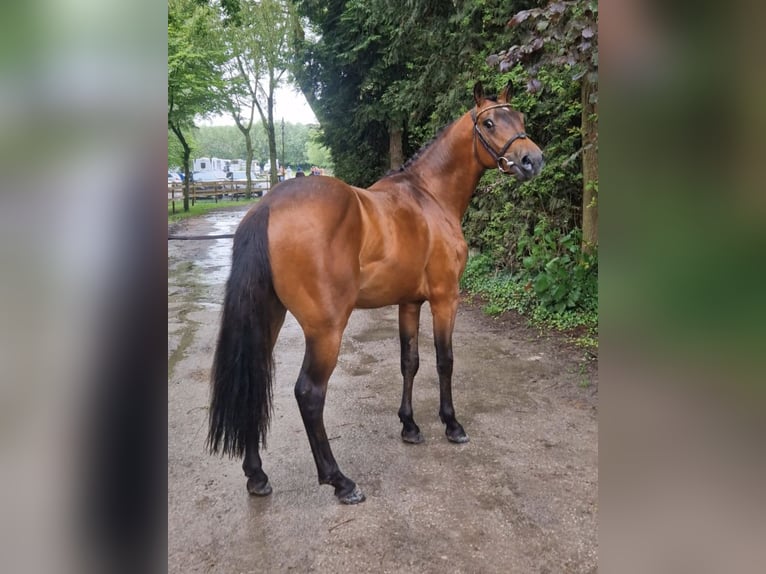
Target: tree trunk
{"points": [[395, 145], [248, 164], [274, 175], [589, 124], [272, 140], [187, 177], [187, 155]]}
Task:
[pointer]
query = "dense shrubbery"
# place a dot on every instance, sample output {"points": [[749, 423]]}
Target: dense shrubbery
{"points": [[529, 235], [556, 285], [413, 72]]}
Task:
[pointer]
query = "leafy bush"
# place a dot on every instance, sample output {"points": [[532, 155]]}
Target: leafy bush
{"points": [[503, 211], [557, 286], [561, 276], [529, 235]]}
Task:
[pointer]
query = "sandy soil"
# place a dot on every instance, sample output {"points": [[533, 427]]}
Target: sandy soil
{"points": [[521, 496]]}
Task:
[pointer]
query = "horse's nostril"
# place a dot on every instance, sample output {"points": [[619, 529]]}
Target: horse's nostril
{"points": [[526, 162]]}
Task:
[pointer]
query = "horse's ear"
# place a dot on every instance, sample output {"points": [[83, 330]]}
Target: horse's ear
{"points": [[478, 93], [507, 93]]}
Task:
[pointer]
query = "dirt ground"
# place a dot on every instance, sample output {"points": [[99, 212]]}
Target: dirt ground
{"points": [[521, 496]]}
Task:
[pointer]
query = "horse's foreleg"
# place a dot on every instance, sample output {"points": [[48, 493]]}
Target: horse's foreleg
{"points": [[409, 322], [310, 391], [444, 322]]}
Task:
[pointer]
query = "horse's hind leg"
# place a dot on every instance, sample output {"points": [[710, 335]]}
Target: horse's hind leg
{"points": [[310, 391], [409, 322], [257, 480]]}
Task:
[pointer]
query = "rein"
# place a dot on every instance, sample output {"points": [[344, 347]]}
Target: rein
{"points": [[499, 157]]}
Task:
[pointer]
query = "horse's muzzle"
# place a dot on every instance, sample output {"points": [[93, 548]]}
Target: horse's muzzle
{"points": [[532, 164]]}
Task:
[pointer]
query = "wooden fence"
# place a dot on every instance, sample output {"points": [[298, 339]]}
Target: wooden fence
{"points": [[215, 190]]}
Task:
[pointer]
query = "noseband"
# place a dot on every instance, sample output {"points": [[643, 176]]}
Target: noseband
{"points": [[499, 157]]}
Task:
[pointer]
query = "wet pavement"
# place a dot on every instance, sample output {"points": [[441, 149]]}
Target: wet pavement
{"points": [[521, 496]]}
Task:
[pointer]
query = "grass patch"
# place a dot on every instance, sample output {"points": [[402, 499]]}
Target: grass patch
{"points": [[504, 292], [203, 206]]}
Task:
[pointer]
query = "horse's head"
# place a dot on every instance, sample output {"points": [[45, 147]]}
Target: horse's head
{"points": [[502, 141]]}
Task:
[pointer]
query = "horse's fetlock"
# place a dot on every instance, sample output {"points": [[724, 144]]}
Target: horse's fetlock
{"points": [[447, 416]]}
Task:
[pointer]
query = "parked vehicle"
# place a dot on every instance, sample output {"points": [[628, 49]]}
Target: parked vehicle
{"points": [[209, 181], [208, 176], [239, 178]]}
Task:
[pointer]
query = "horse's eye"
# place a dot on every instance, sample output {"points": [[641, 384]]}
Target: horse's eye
{"points": [[489, 124]]}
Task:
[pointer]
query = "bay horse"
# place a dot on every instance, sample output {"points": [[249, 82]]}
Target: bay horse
{"points": [[320, 248]]}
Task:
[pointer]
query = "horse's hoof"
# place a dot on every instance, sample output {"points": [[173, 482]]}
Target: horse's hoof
{"points": [[457, 436], [354, 497], [413, 437], [258, 489]]}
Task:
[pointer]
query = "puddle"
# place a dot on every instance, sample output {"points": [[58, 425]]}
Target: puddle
{"points": [[214, 265]]}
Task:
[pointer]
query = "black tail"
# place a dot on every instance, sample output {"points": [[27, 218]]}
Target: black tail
{"points": [[243, 369]]}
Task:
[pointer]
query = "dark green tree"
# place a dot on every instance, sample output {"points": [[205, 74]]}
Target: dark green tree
{"points": [[194, 84], [383, 75], [332, 60]]}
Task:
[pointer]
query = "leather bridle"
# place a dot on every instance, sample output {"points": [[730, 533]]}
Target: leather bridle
{"points": [[499, 157]]}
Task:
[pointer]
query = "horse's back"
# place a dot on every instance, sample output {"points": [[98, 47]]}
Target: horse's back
{"points": [[301, 197]]}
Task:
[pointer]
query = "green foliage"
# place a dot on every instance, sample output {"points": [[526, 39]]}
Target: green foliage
{"points": [[371, 67], [530, 234], [317, 153], [563, 34], [227, 142], [333, 67], [194, 84], [193, 56], [561, 276], [297, 137], [257, 37], [176, 150], [556, 285], [536, 292], [503, 211]]}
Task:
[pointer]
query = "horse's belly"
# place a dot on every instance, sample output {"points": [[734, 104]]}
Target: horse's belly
{"points": [[382, 285]]}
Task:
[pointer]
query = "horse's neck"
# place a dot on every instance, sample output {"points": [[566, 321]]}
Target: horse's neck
{"points": [[449, 169]]}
